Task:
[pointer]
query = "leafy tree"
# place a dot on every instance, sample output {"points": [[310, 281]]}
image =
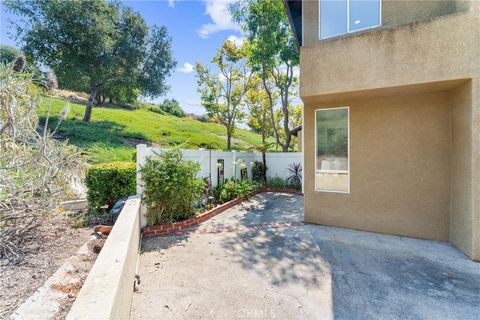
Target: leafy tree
{"points": [[172, 107], [8, 53], [258, 104], [223, 95], [95, 46], [273, 53]]}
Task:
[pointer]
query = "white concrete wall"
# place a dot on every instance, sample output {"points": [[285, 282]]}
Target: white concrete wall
{"points": [[108, 289], [277, 162]]}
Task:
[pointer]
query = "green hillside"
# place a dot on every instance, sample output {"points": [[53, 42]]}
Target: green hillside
{"points": [[112, 133]]}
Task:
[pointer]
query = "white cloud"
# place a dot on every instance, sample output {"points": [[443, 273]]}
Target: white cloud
{"points": [[236, 40], [186, 68], [171, 3], [221, 18]]}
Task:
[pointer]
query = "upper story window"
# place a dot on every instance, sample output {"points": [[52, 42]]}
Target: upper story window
{"points": [[339, 17]]}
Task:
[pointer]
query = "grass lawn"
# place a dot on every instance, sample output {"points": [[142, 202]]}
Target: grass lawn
{"points": [[112, 133]]}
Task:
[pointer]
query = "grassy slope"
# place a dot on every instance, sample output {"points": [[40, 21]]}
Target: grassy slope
{"points": [[111, 134]]}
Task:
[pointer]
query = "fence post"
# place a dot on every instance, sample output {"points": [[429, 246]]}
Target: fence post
{"points": [[141, 154], [234, 163]]}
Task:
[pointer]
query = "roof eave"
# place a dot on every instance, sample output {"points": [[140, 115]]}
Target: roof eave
{"points": [[294, 14]]}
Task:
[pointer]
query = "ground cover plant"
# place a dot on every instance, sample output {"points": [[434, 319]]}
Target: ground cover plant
{"points": [[277, 182], [232, 189]]}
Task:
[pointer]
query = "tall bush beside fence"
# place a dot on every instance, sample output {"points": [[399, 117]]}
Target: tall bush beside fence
{"points": [[108, 182], [171, 189]]}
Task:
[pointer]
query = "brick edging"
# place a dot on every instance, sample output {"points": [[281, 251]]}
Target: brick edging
{"points": [[163, 229]]}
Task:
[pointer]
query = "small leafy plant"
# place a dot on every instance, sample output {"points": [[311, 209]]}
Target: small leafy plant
{"points": [[232, 189], [277, 182], [172, 190]]}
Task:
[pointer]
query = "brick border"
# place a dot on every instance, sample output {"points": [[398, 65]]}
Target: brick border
{"points": [[164, 229]]}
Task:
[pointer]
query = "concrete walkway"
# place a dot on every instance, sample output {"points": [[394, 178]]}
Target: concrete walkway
{"points": [[258, 261]]}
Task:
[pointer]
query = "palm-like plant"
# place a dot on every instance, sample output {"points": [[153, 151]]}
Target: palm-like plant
{"points": [[295, 175]]}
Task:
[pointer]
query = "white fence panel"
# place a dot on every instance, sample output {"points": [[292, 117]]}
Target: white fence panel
{"points": [[277, 162]]}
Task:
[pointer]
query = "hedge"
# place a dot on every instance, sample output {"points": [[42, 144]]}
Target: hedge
{"points": [[108, 182]]}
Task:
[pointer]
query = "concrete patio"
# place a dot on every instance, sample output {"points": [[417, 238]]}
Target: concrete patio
{"points": [[258, 261]]}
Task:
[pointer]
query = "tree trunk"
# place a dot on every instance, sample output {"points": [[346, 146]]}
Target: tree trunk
{"points": [[264, 151], [288, 138], [229, 140], [264, 160], [286, 120], [88, 109]]}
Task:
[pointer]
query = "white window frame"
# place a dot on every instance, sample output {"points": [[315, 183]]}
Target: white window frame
{"points": [[316, 156], [348, 21]]}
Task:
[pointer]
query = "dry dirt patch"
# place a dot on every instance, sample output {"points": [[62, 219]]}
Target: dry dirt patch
{"points": [[57, 241]]}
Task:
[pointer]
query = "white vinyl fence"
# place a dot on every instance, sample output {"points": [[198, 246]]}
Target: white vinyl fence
{"points": [[277, 162]]}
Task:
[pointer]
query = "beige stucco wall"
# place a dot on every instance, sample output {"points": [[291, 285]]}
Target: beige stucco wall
{"points": [[386, 67], [465, 212], [394, 13], [442, 49], [399, 167]]}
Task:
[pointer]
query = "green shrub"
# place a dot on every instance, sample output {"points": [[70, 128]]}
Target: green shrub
{"points": [[171, 189], [232, 189], [172, 107], [257, 171], [108, 182], [277, 182]]}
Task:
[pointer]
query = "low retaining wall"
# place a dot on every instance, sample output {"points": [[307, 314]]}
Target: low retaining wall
{"points": [[165, 229], [108, 289], [74, 205]]}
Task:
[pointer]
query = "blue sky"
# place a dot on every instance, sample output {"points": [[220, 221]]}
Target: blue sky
{"points": [[198, 28]]}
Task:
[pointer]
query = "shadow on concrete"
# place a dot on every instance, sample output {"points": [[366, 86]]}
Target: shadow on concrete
{"points": [[152, 244], [347, 274], [281, 255]]}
